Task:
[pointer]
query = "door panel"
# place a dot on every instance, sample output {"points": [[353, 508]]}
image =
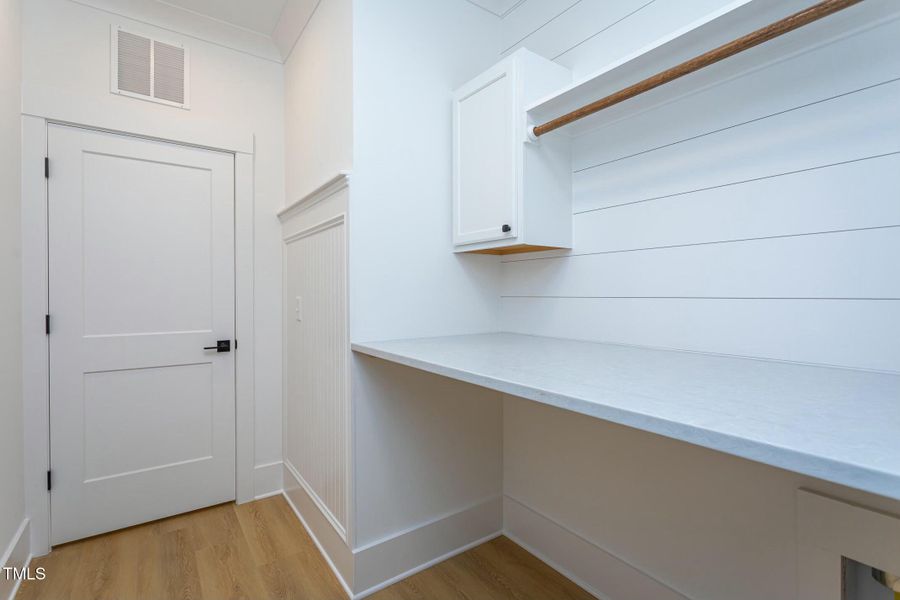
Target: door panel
{"points": [[175, 405], [484, 192], [141, 281], [159, 279]]}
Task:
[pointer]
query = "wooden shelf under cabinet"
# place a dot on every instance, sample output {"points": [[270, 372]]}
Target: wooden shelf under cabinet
{"points": [[516, 249]]}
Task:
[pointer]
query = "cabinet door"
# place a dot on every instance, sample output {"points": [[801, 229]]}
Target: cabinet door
{"points": [[484, 181]]}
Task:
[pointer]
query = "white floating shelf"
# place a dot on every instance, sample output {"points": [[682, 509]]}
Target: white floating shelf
{"points": [[720, 27], [840, 425]]}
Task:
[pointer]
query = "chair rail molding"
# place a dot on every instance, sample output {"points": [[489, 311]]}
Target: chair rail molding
{"points": [[334, 185]]}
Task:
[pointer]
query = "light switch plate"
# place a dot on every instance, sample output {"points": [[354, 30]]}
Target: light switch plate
{"points": [[299, 308]]}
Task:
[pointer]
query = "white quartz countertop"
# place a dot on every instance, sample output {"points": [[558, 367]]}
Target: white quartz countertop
{"points": [[839, 425]]}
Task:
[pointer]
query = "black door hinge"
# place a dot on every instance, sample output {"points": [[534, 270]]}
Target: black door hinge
{"points": [[49, 481], [47, 167], [47, 324], [235, 344]]}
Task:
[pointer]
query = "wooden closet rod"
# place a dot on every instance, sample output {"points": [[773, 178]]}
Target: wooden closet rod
{"points": [[779, 28]]}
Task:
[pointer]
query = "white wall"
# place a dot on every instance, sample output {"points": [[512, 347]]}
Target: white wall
{"points": [[758, 218], [426, 449], [405, 280], [236, 100], [318, 100], [708, 525], [12, 499], [187, 22]]}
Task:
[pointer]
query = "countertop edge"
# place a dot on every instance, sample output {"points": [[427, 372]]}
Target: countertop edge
{"points": [[849, 474]]}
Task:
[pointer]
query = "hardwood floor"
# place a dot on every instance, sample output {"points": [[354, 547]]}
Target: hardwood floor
{"points": [[258, 551]]}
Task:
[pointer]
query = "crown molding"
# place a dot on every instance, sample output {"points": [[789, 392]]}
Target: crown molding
{"points": [[189, 24], [294, 19]]}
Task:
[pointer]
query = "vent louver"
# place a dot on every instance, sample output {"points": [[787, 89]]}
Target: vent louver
{"points": [[134, 64], [149, 69], [168, 72]]}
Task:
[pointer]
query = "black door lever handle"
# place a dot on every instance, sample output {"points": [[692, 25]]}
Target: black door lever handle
{"points": [[221, 346]]}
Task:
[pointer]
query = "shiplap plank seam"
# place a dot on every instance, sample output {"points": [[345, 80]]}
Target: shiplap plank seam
{"points": [[541, 26], [604, 30], [734, 126], [735, 183], [709, 243]]}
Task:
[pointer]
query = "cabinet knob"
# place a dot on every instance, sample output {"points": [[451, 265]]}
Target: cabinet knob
{"points": [[506, 229]]}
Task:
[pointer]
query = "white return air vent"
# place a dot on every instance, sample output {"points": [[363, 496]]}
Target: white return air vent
{"points": [[149, 69]]}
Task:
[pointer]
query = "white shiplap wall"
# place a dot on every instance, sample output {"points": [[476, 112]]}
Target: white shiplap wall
{"points": [[756, 217], [585, 35], [759, 216]]}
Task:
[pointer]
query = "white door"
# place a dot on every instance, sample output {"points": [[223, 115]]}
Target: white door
{"points": [[141, 282], [484, 151]]}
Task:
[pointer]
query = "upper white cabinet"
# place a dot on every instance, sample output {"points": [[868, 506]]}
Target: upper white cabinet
{"points": [[509, 194]]}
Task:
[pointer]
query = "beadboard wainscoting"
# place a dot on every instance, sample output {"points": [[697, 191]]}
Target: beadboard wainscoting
{"points": [[316, 388], [316, 400]]}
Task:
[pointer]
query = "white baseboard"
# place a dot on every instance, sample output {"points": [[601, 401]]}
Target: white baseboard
{"points": [[377, 565], [268, 480], [327, 539], [596, 570], [17, 556], [387, 561], [427, 565]]}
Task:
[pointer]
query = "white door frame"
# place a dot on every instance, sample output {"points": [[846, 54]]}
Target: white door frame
{"points": [[35, 298]]}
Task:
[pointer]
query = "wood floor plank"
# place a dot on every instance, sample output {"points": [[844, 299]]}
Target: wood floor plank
{"points": [[445, 581], [300, 576], [497, 584], [179, 564], [533, 576], [216, 526], [271, 532], [260, 551], [61, 567], [227, 572], [144, 557], [96, 576]]}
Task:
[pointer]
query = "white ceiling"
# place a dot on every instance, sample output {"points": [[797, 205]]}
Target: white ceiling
{"points": [[256, 15], [281, 21], [498, 7]]}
